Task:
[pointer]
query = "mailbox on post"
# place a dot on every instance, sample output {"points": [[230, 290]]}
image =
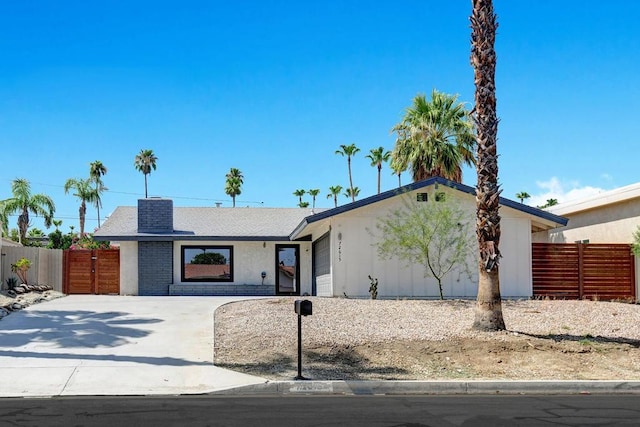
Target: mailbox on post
{"points": [[303, 307]]}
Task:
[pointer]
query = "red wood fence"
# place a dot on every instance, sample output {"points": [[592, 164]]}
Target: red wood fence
{"points": [[591, 271]]}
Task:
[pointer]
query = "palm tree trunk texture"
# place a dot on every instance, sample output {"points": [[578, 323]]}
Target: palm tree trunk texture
{"points": [[488, 314], [82, 214]]}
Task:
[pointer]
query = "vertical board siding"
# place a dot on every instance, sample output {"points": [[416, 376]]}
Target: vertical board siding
{"points": [[592, 271], [107, 274], [92, 271]]}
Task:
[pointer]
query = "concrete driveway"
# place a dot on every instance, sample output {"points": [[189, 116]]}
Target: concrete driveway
{"points": [[113, 345]]}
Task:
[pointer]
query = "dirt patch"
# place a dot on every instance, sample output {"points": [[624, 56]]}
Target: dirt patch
{"points": [[526, 354]]}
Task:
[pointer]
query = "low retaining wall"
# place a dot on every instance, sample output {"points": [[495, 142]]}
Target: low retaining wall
{"points": [[221, 290]]}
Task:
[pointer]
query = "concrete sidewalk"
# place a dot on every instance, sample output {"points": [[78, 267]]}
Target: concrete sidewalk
{"points": [[114, 345], [93, 345]]}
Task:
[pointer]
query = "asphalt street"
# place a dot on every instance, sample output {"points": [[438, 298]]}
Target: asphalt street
{"points": [[313, 410]]}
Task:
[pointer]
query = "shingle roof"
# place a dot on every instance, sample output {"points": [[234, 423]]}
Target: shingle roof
{"points": [[209, 223]]}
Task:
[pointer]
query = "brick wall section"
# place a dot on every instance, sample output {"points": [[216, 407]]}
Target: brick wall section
{"points": [[155, 268], [155, 216], [221, 290]]}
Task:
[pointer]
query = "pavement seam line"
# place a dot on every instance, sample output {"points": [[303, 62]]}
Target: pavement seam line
{"points": [[64, 387]]}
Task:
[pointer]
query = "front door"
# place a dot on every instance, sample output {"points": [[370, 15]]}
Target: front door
{"points": [[288, 270]]}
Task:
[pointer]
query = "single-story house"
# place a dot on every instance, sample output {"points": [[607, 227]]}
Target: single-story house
{"points": [[608, 217], [167, 250]]}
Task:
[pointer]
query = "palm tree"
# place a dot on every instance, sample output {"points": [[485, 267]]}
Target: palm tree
{"points": [[23, 201], [236, 173], [96, 171], [550, 202], [488, 313], [397, 170], [434, 138], [314, 193], [85, 193], [334, 192], [377, 157], [233, 185], [145, 161], [353, 193], [299, 194], [522, 196], [303, 204], [349, 151]]}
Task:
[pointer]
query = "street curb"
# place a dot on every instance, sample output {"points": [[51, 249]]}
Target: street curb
{"points": [[436, 387]]}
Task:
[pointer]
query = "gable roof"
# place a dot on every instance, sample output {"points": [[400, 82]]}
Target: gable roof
{"points": [[605, 198], [538, 213], [208, 223], [274, 224]]}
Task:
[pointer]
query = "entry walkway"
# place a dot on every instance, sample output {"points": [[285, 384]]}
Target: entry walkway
{"points": [[114, 345]]}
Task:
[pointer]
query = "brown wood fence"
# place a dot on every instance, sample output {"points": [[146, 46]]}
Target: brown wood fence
{"points": [[589, 271], [92, 271]]}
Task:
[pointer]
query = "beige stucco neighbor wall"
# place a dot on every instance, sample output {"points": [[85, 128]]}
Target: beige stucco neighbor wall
{"points": [[354, 257], [249, 260], [613, 223], [128, 268]]}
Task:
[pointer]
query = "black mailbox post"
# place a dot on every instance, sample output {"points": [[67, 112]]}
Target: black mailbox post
{"points": [[302, 308]]}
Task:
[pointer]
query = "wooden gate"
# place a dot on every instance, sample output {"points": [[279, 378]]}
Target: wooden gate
{"points": [[92, 271], [577, 270]]}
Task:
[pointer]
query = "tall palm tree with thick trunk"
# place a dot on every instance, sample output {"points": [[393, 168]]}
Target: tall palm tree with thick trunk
{"points": [[23, 202], [488, 313], [96, 171], [378, 156], [334, 192], [233, 185], [86, 193], [434, 138], [349, 151], [145, 161]]}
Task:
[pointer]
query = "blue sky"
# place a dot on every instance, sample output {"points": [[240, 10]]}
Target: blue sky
{"points": [[274, 87]]}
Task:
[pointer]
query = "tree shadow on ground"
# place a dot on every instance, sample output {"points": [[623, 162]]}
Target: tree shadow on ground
{"points": [[581, 338], [43, 334], [148, 360], [319, 364], [72, 329]]}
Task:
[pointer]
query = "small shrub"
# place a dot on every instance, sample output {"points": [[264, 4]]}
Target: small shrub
{"points": [[21, 267], [12, 282], [373, 287]]}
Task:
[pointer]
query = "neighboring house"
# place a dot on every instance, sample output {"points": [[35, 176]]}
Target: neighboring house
{"points": [[609, 217], [8, 242], [294, 251]]}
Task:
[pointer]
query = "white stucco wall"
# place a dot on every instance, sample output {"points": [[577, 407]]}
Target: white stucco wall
{"points": [[128, 268], [614, 223], [249, 260], [354, 257]]}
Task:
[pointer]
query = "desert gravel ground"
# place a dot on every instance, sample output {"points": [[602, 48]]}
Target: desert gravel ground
{"points": [[426, 339]]}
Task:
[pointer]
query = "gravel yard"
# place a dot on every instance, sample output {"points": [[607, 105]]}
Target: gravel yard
{"points": [[419, 339]]}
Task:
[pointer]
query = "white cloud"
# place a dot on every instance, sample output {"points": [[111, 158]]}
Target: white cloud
{"points": [[561, 191]]}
